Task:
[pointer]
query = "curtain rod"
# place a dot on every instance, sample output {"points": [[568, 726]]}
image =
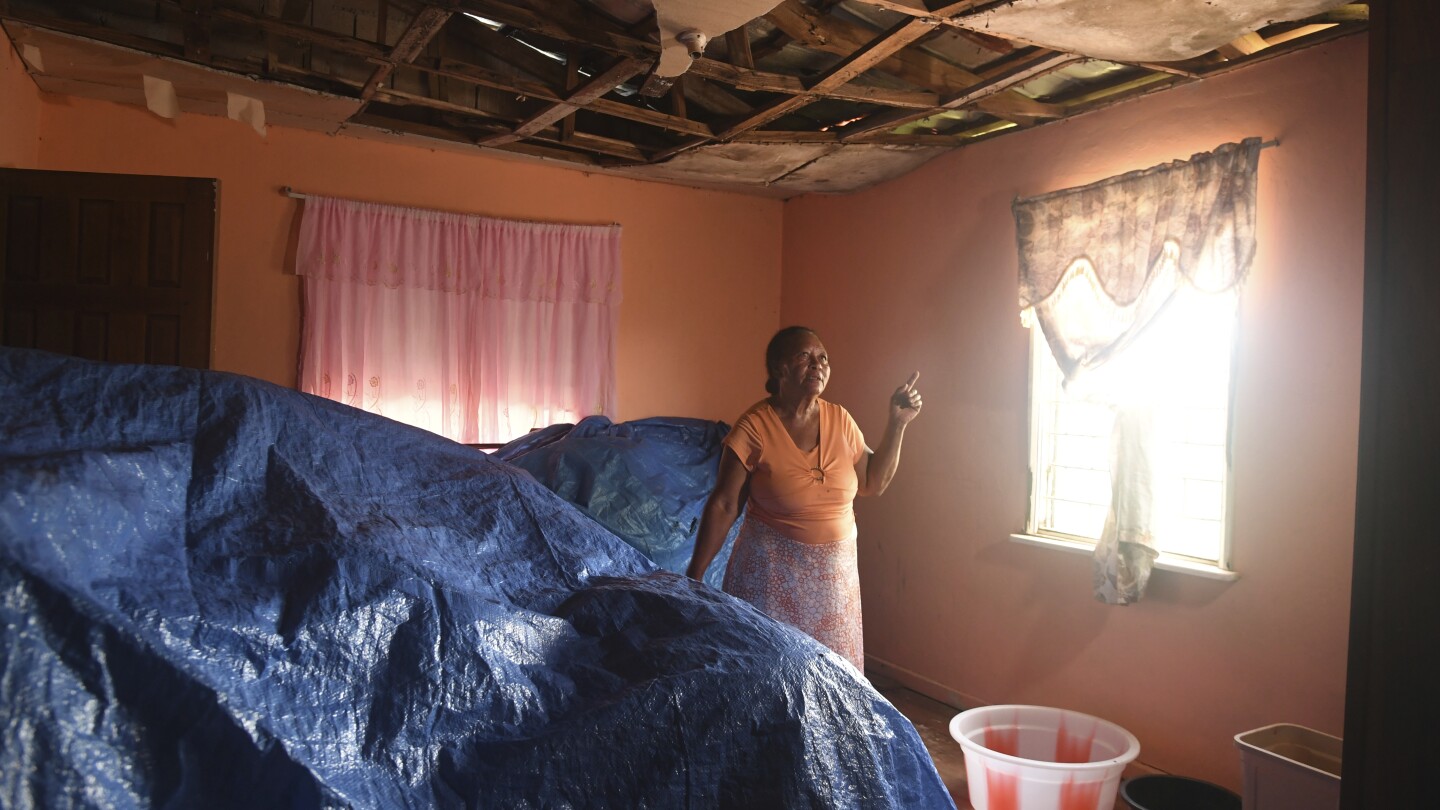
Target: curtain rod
{"points": [[290, 192]]}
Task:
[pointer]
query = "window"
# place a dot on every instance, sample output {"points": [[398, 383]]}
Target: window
{"points": [[1134, 281], [1177, 375], [475, 328]]}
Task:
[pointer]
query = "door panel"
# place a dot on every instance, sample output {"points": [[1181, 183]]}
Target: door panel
{"points": [[107, 266]]}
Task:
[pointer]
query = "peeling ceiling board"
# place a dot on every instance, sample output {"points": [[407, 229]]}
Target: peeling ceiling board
{"points": [[1138, 30], [748, 163], [800, 96], [855, 167], [83, 67]]}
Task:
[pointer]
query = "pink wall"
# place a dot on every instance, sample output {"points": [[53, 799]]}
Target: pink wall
{"points": [[19, 111], [921, 273], [701, 268]]}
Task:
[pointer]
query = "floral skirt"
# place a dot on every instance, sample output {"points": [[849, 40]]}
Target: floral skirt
{"points": [[813, 587]]}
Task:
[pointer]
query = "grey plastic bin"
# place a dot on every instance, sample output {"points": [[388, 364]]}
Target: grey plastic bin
{"points": [[1287, 767]]}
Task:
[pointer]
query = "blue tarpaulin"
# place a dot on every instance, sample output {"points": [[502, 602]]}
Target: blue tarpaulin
{"points": [[645, 480], [220, 593]]}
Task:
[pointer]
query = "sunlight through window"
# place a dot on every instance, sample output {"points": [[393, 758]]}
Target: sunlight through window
{"points": [[1179, 369]]}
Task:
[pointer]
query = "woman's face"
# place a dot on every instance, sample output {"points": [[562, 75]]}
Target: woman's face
{"points": [[806, 366]]}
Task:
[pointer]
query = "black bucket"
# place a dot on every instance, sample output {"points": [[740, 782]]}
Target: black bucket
{"points": [[1163, 792]]}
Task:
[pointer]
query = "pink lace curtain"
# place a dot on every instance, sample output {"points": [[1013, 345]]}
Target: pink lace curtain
{"points": [[477, 329]]}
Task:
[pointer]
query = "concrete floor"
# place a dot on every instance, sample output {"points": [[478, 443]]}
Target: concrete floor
{"points": [[932, 720]]}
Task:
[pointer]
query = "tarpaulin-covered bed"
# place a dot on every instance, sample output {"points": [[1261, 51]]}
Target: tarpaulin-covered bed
{"points": [[220, 593]]}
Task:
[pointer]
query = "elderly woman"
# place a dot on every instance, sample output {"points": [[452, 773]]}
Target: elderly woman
{"points": [[802, 461]]}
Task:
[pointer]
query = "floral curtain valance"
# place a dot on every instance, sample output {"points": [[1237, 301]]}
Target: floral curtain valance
{"points": [[1131, 241], [392, 246]]}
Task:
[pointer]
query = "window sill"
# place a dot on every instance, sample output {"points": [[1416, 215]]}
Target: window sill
{"points": [[1166, 562]]}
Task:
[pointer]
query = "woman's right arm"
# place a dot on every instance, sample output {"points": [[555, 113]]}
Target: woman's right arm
{"points": [[721, 509]]}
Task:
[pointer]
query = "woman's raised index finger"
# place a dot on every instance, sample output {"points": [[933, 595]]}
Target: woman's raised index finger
{"points": [[910, 383]]}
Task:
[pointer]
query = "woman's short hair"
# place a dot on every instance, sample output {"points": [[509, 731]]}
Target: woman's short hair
{"points": [[775, 353]]}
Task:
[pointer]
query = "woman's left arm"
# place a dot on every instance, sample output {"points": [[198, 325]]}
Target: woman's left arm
{"points": [[877, 468]]}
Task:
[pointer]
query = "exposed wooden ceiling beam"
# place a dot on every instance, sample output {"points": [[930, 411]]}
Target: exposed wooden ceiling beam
{"points": [[598, 86], [471, 118], [616, 109], [656, 85], [1122, 88], [989, 42], [780, 83], [737, 42], [838, 36], [878, 50], [423, 27], [763, 115], [1012, 73], [564, 29], [197, 29], [1243, 46], [572, 81], [687, 145], [1281, 37], [474, 74], [677, 100], [389, 95], [712, 97], [614, 147], [1173, 68], [644, 115]]}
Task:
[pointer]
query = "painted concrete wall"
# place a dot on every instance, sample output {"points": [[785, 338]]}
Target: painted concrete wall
{"points": [[920, 273], [701, 269], [19, 111]]}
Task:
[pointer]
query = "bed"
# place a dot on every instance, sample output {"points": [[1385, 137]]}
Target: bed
{"points": [[645, 480], [221, 593]]}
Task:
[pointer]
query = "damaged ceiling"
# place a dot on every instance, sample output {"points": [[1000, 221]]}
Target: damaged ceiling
{"points": [[780, 97]]}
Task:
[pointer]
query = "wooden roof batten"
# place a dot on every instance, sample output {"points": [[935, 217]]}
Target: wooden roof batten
{"points": [[422, 29]]}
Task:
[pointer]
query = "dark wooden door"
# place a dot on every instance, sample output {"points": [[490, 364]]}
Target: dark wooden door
{"points": [[107, 266]]}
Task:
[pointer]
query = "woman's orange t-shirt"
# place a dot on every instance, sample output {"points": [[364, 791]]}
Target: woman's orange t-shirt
{"points": [[808, 497]]}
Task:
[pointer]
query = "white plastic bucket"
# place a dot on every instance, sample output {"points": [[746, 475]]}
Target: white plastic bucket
{"points": [[1038, 758]]}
